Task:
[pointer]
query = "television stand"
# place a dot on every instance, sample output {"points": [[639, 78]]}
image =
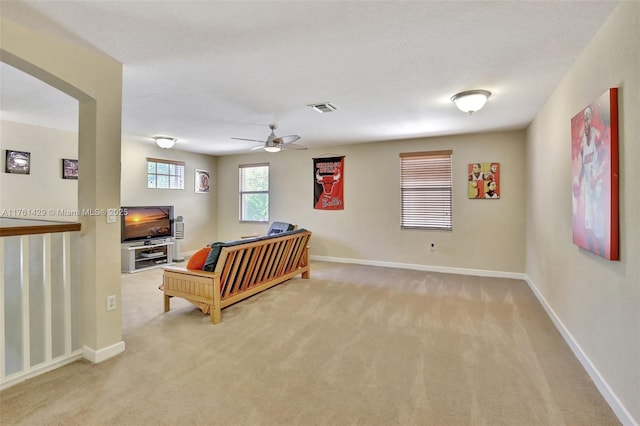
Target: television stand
{"points": [[139, 257]]}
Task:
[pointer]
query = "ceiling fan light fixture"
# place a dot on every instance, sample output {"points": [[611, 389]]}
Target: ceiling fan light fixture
{"points": [[274, 148], [471, 101], [165, 142]]}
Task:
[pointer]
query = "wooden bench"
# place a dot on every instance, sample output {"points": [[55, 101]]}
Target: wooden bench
{"points": [[241, 271]]}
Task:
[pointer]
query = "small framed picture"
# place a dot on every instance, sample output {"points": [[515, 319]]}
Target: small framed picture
{"points": [[18, 162], [69, 169], [202, 181]]}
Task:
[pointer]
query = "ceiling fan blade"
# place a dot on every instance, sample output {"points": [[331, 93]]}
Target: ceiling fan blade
{"points": [[257, 147], [286, 139], [291, 146], [250, 140]]}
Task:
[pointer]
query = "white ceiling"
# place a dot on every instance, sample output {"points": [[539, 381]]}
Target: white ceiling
{"points": [[206, 71]]}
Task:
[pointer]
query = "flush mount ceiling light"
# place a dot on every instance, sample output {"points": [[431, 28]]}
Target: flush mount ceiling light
{"points": [[471, 100], [165, 142]]}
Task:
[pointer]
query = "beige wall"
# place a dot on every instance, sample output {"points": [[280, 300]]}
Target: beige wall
{"points": [[488, 235], [96, 82], [47, 191], [197, 209], [50, 194], [597, 300]]}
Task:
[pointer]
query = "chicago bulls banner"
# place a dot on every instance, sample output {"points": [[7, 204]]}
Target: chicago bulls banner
{"points": [[328, 177]]}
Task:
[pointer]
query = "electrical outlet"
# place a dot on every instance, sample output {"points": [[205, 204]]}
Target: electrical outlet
{"points": [[111, 302]]}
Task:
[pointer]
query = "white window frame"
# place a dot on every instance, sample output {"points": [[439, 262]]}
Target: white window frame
{"points": [[175, 175], [426, 190], [242, 191]]}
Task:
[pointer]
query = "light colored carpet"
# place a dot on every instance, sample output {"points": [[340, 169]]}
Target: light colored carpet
{"points": [[354, 345]]}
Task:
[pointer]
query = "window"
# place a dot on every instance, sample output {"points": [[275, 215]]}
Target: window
{"points": [[165, 174], [425, 184], [254, 192]]}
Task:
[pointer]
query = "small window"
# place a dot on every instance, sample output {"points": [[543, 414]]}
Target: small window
{"points": [[425, 182], [254, 192], [165, 174]]}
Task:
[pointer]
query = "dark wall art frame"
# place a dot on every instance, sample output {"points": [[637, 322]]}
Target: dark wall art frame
{"points": [[69, 168], [17, 162]]}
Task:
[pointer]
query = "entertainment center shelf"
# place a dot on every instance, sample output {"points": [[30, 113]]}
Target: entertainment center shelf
{"points": [[140, 257]]}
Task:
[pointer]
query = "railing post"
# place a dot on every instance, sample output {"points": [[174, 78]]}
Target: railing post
{"points": [[46, 283], [66, 259], [24, 286], [2, 338]]}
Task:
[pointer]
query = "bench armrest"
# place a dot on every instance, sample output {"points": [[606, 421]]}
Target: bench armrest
{"points": [[196, 272]]}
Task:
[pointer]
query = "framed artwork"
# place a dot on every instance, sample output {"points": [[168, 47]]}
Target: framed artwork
{"points": [[594, 159], [17, 162], [328, 183], [202, 181], [69, 169], [484, 181]]}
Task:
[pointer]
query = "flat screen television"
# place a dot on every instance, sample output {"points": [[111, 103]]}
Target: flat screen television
{"points": [[146, 223]]}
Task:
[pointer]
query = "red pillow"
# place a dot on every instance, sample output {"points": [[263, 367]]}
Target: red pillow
{"points": [[196, 261]]}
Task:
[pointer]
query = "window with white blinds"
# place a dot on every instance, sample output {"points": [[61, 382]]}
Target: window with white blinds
{"points": [[425, 183]]}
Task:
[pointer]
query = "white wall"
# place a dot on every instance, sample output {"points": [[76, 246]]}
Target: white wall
{"points": [[488, 235], [598, 301], [198, 209], [43, 190]]}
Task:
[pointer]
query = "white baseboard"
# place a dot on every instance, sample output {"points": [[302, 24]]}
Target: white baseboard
{"points": [[616, 405], [38, 370], [102, 354], [417, 267]]}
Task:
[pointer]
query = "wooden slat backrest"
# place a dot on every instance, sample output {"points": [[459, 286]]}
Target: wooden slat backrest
{"points": [[251, 264], [294, 259], [275, 258], [256, 262], [233, 270], [266, 262], [286, 255], [248, 265]]}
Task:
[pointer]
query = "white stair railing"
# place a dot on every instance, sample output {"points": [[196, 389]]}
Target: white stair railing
{"points": [[39, 303]]}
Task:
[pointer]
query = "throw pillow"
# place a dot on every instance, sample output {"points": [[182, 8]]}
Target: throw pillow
{"points": [[196, 261], [212, 258]]}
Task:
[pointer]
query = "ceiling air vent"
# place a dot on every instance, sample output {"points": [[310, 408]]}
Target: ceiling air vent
{"points": [[324, 107]]}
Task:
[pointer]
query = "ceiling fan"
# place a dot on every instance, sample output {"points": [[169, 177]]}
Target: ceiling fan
{"points": [[275, 143]]}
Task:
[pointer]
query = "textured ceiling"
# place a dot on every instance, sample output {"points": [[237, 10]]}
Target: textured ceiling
{"points": [[205, 72]]}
